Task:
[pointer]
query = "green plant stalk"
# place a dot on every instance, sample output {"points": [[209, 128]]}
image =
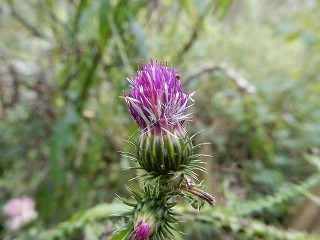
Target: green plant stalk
{"points": [[218, 218]]}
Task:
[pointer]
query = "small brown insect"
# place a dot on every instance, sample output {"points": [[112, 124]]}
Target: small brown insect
{"points": [[178, 77]]}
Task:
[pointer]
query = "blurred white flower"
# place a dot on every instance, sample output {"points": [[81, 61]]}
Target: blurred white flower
{"points": [[19, 211]]}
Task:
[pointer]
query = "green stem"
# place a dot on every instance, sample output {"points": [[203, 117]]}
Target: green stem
{"points": [[217, 217]]}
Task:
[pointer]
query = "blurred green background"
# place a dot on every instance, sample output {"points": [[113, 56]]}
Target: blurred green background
{"points": [[63, 66]]}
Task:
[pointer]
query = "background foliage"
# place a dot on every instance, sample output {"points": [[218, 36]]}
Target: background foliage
{"points": [[64, 64]]}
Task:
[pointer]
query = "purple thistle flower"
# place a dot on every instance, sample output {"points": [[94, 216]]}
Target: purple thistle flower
{"points": [[19, 211], [141, 232], [156, 100]]}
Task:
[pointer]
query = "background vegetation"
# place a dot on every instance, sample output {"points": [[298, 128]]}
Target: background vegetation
{"points": [[62, 124]]}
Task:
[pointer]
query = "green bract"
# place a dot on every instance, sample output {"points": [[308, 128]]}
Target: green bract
{"points": [[164, 153], [151, 215]]}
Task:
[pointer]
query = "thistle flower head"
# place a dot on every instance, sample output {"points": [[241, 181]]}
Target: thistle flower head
{"points": [[19, 211], [151, 215], [145, 226], [156, 100]]}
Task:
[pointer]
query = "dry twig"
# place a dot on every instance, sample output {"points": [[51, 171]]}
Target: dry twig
{"points": [[241, 83]]}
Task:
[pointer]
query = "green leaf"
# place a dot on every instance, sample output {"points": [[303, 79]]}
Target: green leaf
{"points": [[122, 233], [140, 36], [103, 22]]}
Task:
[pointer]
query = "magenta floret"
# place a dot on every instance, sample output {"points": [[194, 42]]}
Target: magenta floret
{"points": [[141, 232]]}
